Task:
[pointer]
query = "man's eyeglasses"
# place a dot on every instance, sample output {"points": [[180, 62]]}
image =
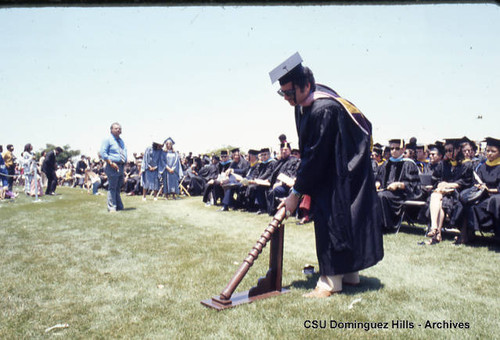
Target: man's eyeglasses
{"points": [[288, 93], [397, 148]]}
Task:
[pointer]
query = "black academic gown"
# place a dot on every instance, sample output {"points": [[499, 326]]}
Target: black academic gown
{"points": [[49, 167], [391, 202], [485, 214], [335, 170], [241, 167], [256, 194], [288, 167], [462, 174]]}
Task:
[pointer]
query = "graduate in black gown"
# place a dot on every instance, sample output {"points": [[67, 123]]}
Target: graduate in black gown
{"points": [[335, 170], [213, 191], [195, 177], [421, 158], [453, 175], [282, 178], [49, 167], [240, 181], [236, 171], [397, 181], [484, 214], [256, 191], [377, 158]]}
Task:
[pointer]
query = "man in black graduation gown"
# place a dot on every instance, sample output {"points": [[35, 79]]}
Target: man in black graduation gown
{"points": [[81, 166], [213, 190], [132, 177], [240, 173], [397, 181], [195, 176], [377, 159], [49, 167], [282, 178], [239, 167], [256, 191], [335, 170]]}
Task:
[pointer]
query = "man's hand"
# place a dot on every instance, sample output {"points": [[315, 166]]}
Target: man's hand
{"points": [[290, 204], [395, 186], [114, 166]]}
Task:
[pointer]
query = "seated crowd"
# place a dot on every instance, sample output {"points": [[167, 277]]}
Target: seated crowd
{"points": [[455, 183], [458, 183]]}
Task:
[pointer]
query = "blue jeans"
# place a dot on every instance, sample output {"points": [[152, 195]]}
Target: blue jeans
{"points": [[95, 187], [115, 182]]}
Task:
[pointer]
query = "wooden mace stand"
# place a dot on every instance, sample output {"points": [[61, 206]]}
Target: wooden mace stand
{"points": [[266, 286]]}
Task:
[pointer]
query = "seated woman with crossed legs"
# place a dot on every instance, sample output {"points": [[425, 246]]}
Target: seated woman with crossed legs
{"points": [[454, 175]]}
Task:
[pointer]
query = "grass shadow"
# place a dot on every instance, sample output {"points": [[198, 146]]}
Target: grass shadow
{"points": [[413, 230], [308, 283], [366, 284], [490, 242], [129, 209]]}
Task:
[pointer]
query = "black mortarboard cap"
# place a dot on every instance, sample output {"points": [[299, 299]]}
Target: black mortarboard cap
{"points": [[265, 150], [235, 150], [253, 152], [465, 139], [453, 141], [377, 148], [399, 141], [490, 141], [285, 145], [436, 147], [223, 153]]}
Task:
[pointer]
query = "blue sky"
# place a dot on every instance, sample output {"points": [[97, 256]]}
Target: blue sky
{"points": [[200, 74]]}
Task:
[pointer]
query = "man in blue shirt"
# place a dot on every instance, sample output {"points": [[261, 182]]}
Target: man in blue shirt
{"points": [[114, 153]]}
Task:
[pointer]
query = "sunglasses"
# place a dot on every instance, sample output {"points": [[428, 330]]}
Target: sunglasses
{"points": [[397, 148], [449, 150], [288, 93]]}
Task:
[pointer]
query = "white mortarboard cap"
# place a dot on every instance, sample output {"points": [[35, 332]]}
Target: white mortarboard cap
{"points": [[285, 67], [157, 140]]}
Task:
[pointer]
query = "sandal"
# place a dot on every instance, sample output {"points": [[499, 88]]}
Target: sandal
{"points": [[435, 239], [432, 232]]}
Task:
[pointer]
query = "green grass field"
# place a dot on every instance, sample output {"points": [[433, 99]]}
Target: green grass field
{"points": [[141, 274]]}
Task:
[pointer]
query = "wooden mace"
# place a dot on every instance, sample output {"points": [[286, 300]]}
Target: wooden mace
{"points": [[267, 286]]}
